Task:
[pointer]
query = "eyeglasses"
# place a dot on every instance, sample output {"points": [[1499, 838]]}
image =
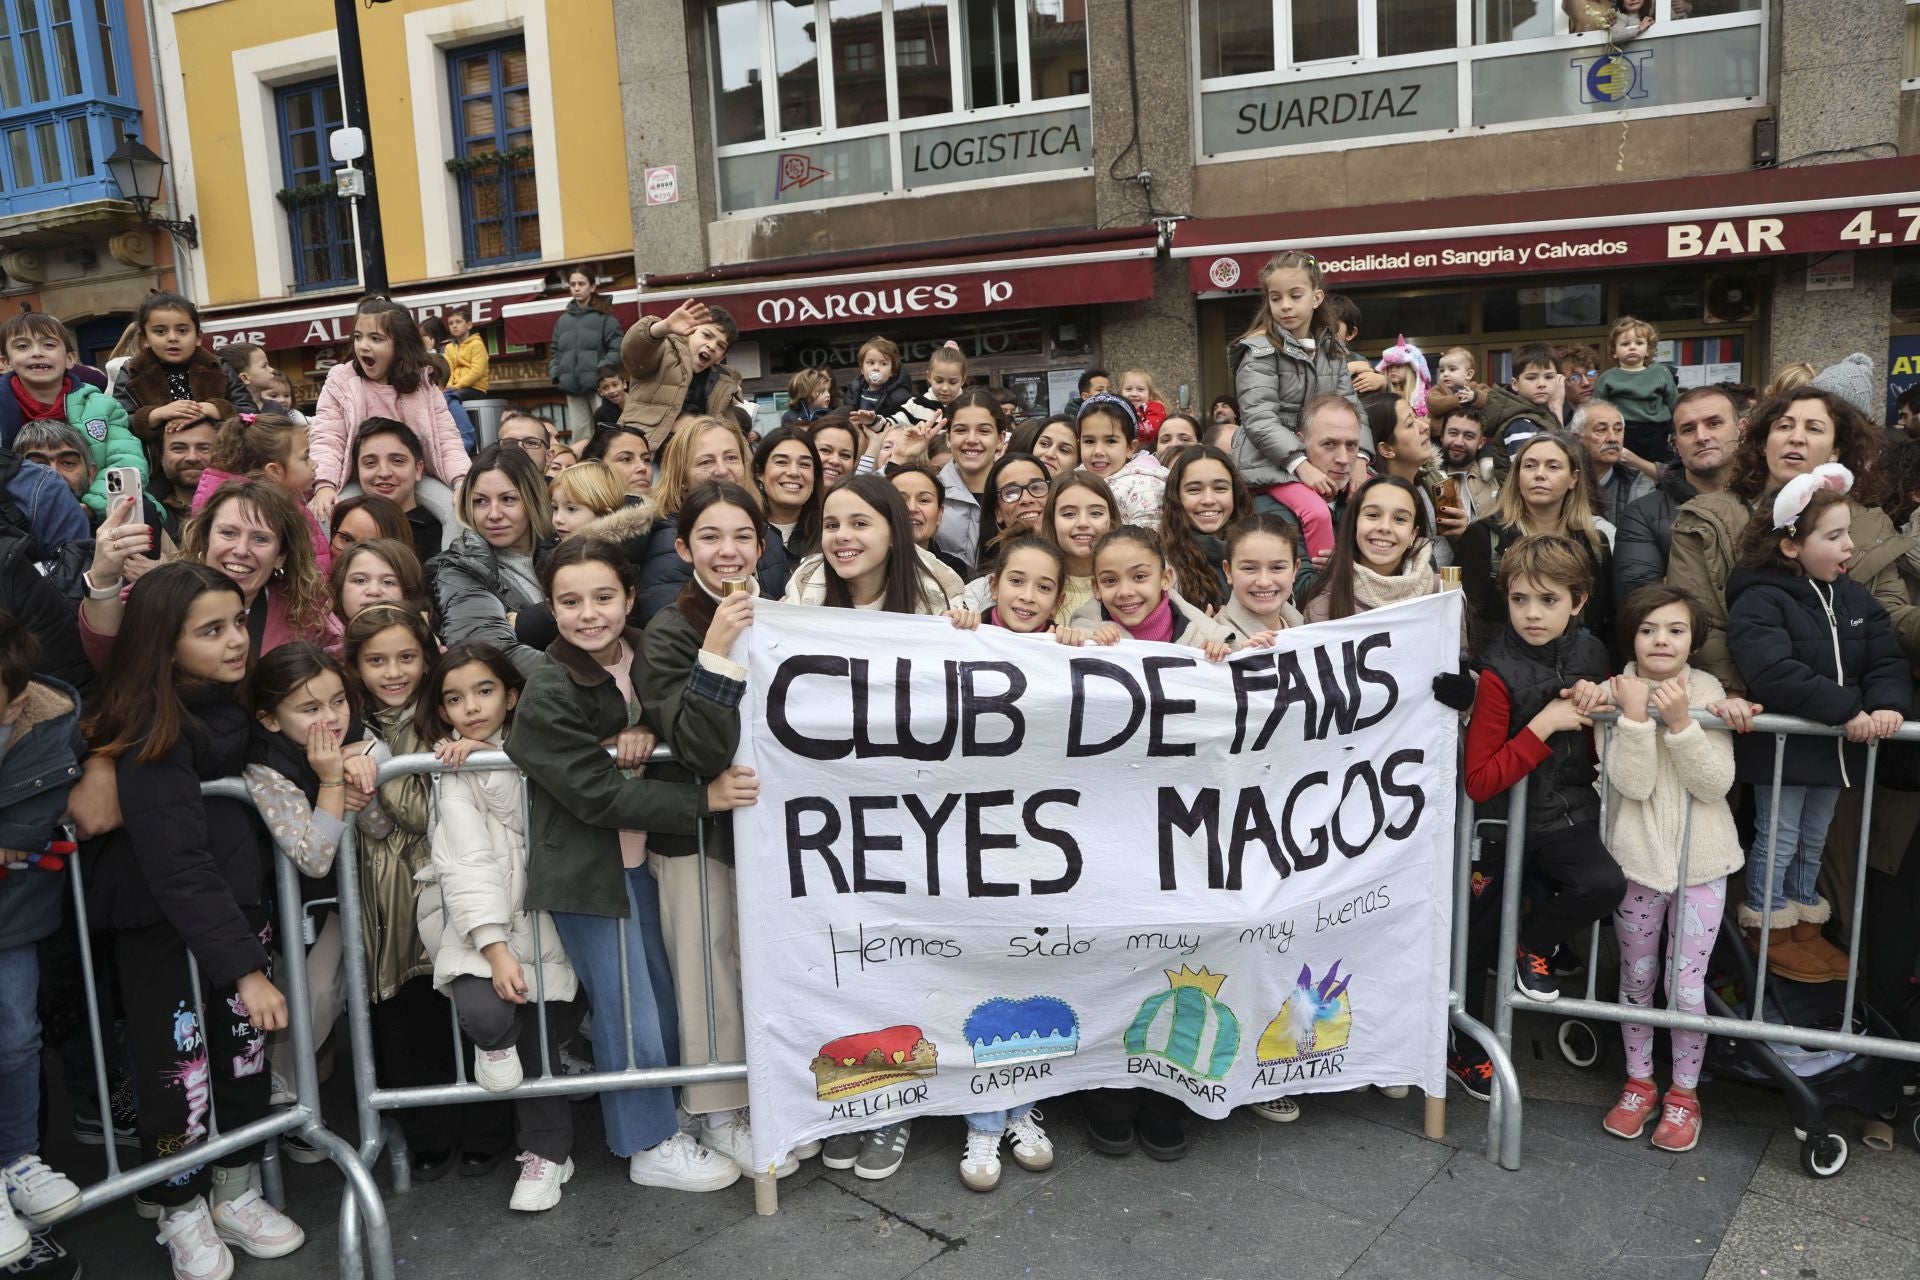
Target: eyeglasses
{"points": [[529, 443], [1032, 488], [1579, 375]]}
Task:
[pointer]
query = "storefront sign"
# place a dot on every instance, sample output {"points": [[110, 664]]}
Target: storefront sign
{"points": [[1667, 71], [325, 326], [1831, 274], [1378, 104], [996, 871], [1903, 371], [663, 184], [970, 152], [822, 171], [1440, 255]]}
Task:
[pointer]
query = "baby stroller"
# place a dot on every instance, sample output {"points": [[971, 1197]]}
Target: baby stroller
{"points": [[1875, 1087]]}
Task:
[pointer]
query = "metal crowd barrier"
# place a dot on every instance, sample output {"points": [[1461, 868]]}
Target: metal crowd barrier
{"points": [[372, 1099], [302, 1118], [1507, 998]]}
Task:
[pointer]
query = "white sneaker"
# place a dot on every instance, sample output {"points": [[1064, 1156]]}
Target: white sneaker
{"points": [[497, 1070], [682, 1164], [255, 1227], [980, 1166], [15, 1240], [1394, 1091], [193, 1246], [37, 1193], [1279, 1110], [540, 1182], [283, 1094], [1031, 1147], [731, 1134], [808, 1150]]}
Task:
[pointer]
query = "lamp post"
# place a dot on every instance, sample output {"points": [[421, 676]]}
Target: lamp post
{"points": [[353, 102], [138, 172]]}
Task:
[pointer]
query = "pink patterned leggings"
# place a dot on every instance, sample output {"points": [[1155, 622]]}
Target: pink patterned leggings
{"points": [[1692, 920]]}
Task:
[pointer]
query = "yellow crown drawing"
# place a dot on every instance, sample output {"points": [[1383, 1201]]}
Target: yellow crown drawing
{"points": [[1199, 979]]}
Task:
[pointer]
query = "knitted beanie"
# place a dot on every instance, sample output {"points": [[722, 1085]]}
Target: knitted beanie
{"points": [[1852, 380]]}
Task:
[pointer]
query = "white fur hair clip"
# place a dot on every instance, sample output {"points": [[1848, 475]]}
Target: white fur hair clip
{"points": [[1796, 493]]}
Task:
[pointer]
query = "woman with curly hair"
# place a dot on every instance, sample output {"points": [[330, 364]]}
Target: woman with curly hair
{"points": [[250, 530], [1205, 494], [1789, 435]]}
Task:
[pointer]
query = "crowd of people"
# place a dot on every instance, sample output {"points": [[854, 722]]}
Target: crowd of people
{"points": [[295, 598]]}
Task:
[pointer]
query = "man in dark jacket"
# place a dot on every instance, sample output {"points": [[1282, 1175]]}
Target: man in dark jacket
{"points": [[1706, 426]]}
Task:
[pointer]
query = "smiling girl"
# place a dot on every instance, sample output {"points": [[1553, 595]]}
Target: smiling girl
{"points": [[1051, 440], [197, 884], [387, 378], [1136, 599], [868, 559], [1382, 555], [702, 451], [1110, 448], [1545, 492], [976, 433], [1079, 513], [839, 444], [690, 696], [172, 381], [592, 815], [1204, 495], [1263, 555], [265, 446]]}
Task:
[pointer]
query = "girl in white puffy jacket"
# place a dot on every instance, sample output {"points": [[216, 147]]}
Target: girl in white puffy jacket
{"points": [[472, 911], [1669, 779]]}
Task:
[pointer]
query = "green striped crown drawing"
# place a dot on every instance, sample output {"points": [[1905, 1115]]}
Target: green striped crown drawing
{"points": [[1187, 1025]]}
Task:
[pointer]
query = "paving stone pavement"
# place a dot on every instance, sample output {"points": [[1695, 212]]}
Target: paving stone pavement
{"points": [[1352, 1190]]}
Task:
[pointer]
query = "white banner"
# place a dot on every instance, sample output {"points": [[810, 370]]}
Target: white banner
{"points": [[998, 869]]}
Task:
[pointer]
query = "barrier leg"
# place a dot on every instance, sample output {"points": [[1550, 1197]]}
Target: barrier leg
{"points": [[1436, 1117], [1503, 1114]]}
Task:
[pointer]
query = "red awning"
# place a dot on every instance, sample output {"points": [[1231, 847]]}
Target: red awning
{"points": [[1060, 276], [323, 324], [1867, 204]]}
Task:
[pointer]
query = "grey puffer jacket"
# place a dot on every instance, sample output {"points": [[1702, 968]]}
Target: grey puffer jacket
{"points": [[1273, 384], [475, 587], [583, 340]]}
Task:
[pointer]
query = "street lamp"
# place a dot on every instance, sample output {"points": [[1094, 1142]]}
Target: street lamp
{"points": [[138, 172]]}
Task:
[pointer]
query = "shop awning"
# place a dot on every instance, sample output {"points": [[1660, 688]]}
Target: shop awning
{"points": [[323, 324], [1054, 276], [1867, 204]]}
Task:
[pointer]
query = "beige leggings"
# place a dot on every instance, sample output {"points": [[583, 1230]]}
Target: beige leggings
{"points": [[679, 880]]}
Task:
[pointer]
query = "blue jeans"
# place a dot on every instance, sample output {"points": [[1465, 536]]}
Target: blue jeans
{"points": [[19, 1049], [997, 1121], [1805, 814], [636, 1119]]}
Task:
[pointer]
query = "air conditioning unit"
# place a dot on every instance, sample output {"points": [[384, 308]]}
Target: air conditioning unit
{"points": [[1732, 298]]}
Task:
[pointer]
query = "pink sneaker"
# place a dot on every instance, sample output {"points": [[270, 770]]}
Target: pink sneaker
{"points": [[1629, 1116], [1679, 1127]]}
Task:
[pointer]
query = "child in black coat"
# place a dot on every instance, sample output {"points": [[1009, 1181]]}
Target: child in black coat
{"points": [[1813, 643]]}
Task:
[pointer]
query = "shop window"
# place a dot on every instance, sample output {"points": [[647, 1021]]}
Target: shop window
{"points": [[1667, 298], [1557, 306], [1910, 66], [493, 134], [829, 125], [1383, 317], [319, 227], [64, 103], [1280, 75]]}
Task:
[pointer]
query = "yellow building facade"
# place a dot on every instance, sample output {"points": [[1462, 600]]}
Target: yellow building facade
{"points": [[496, 142]]}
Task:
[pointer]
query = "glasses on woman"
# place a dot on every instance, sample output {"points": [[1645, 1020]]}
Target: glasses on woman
{"points": [[1032, 488]]}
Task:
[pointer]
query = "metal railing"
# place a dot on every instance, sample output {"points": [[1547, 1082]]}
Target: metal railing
{"points": [[374, 1100], [302, 1118], [1508, 999]]}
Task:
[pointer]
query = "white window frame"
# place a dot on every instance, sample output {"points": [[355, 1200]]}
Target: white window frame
{"points": [[892, 128], [259, 73], [1464, 55]]}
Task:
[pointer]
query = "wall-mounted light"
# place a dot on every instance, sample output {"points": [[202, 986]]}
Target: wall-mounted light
{"points": [[138, 172]]}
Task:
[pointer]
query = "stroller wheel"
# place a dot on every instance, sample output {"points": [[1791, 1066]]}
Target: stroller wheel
{"points": [[1579, 1044], [1823, 1154], [1914, 1129]]}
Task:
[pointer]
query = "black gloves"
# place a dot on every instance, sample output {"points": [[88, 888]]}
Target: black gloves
{"points": [[1454, 689]]}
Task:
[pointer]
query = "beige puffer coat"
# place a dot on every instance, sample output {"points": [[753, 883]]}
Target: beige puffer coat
{"points": [[1658, 777]]}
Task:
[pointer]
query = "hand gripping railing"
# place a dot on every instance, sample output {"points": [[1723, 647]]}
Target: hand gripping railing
{"points": [[1755, 1028], [302, 1118], [372, 1099]]}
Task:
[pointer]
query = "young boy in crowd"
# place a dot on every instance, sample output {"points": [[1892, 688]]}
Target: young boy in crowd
{"points": [[610, 384], [673, 366], [40, 752], [1344, 315], [253, 384], [41, 387], [1643, 389], [466, 355], [1539, 680]]}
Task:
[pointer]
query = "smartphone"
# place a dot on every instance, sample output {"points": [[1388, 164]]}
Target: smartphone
{"points": [[124, 482]]}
